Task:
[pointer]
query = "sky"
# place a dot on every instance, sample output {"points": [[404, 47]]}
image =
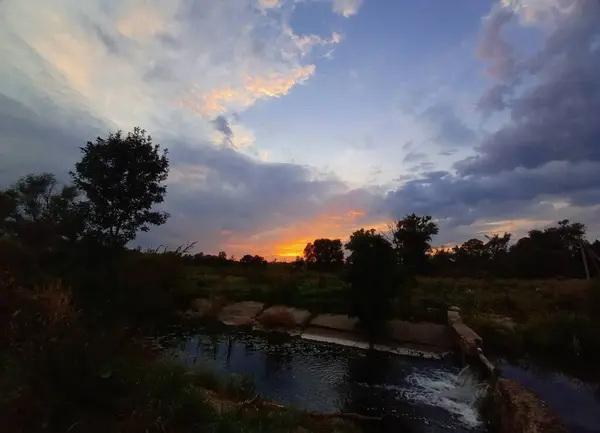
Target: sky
{"points": [[291, 120]]}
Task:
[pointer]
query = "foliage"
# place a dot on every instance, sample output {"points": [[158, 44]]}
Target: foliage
{"points": [[122, 179], [412, 237], [324, 254], [59, 374], [373, 276], [40, 214], [253, 261], [554, 251]]}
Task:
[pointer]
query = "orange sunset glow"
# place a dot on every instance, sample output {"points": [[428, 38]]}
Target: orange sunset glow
{"points": [[286, 243]]}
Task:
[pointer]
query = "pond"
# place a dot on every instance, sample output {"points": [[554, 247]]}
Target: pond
{"points": [[574, 401], [417, 395]]}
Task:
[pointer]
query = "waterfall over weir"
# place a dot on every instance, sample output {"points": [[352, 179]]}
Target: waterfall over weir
{"points": [[416, 395]]}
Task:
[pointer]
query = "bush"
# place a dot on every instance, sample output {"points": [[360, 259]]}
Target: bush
{"points": [[240, 387]]}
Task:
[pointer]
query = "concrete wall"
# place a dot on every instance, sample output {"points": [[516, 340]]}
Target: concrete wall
{"points": [[519, 410]]}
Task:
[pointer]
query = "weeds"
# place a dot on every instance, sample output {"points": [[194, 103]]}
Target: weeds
{"points": [[59, 374]]}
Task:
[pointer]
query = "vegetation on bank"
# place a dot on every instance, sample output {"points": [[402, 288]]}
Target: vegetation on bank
{"points": [[76, 307], [75, 302], [59, 372]]}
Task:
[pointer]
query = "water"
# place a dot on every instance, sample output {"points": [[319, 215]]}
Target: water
{"points": [[575, 402], [417, 395]]}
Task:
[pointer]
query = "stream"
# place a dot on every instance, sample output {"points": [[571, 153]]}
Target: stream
{"points": [[576, 402], [417, 395]]}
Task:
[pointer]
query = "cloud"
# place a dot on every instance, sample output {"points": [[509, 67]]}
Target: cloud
{"points": [[222, 125], [347, 8], [547, 151], [414, 156], [224, 99], [269, 4], [554, 118], [182, 69], [156, 62], [447, 128], [492, 46], [262, 206]]}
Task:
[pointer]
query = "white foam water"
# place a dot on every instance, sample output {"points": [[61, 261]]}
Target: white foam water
{"points": [[457, 394]]}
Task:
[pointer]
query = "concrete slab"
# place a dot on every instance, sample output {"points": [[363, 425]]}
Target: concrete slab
{"points": [[408, 349], [468, 340], [206, 308], [453, 317], [421, 333], [280, 316], [240, 313], [338, 322], [347, 339], [334, 337]]}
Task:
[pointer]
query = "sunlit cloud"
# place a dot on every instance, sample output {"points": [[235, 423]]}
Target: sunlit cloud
{"points": [[346, 8], [269, 4], [155, 62], [540, 11]]}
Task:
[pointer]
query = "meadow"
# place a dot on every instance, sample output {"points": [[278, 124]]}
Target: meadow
{"points": [[541, 317]]}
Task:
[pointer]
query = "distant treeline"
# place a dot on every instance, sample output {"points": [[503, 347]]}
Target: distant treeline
{"points": [[554, 252]]}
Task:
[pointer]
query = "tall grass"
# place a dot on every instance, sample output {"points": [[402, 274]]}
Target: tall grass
{"points": [[59, 374]]}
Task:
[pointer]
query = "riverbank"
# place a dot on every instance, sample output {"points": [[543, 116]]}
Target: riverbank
{"points": [[552, 319], [58, 372]]}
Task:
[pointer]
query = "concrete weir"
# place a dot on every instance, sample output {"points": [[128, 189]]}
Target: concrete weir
{"points": [[516, 409]]}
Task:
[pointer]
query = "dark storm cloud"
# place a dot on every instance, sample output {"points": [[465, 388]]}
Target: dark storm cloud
{"points": [[556, 119], [26, 137], [240, 194], [222, 125], [465, 199], [494, 99], [550, 147], [447, 127]]}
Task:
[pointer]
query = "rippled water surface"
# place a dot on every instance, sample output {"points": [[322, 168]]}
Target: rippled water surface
{"points": [[416, 395], [575, 402]]}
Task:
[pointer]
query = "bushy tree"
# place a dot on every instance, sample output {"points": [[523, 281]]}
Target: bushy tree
{"points": [[412, 237], [122, 178], [40, 213], [253, 261], [374, 280], [324, 254]]}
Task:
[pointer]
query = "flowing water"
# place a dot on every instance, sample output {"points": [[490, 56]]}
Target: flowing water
{"points": [[576, 402], [415, 395]]}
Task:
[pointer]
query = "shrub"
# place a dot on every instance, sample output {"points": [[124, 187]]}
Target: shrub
{"points": [[280, 318], [240, 387]]}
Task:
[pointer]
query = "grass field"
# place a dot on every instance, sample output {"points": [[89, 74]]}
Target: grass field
{"points": [[543, 317]]}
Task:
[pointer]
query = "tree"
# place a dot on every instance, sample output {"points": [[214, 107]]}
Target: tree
{"points": [[122, 178], [39, 213], [253, 261], [374, 280], [554, 251], [324, 254], [412, 237]]}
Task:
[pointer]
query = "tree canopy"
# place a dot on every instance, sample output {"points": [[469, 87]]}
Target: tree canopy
{"points": [[324, 254], [374, 280], [122, 178], [412, 237]]}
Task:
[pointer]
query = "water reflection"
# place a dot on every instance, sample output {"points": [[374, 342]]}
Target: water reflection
{"points": [[322, 377]]}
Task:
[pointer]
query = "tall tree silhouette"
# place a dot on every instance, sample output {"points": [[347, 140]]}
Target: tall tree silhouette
{"points": [[122, 178]]}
